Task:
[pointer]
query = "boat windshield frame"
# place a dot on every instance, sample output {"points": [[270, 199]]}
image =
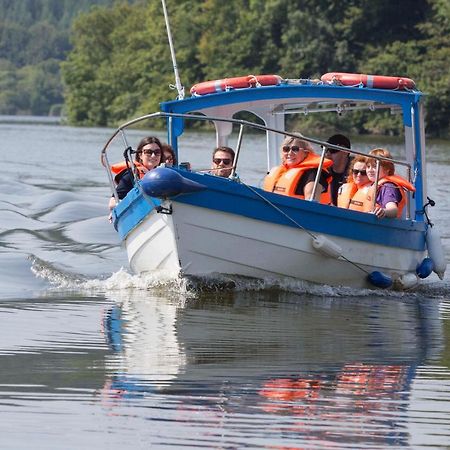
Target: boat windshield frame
{"points": [[272, 103], [243, 123]]}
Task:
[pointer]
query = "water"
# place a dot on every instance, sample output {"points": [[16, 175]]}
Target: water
{"points": [[92, 356]]}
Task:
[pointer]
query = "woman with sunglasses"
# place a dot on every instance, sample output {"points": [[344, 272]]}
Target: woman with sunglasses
{"points": [[353, 194], [148, 156], [391, 189], [296, 175]]}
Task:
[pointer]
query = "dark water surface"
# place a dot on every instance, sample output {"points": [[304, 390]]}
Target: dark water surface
{"points": [[92, 356]]}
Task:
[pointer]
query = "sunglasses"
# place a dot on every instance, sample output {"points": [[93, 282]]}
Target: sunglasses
{"points": [[151, 152], [363, 173], [293, 148], [226, 161]]}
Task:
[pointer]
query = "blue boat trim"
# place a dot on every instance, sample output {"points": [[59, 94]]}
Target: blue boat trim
{"points": [[132, 210], [287, 91], [235, 198]]}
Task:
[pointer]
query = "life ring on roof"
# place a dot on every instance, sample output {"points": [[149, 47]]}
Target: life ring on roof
{"points": [[370, 81], [210, 87]]}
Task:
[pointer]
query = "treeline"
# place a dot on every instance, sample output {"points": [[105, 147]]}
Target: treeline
{"points": [[34, 39], [119, 64]]}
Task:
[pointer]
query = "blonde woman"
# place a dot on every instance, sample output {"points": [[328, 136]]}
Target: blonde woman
{"points": [[296, 175]]}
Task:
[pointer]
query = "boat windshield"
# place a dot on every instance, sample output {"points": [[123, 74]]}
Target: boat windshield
{"points": [[193, 137]]}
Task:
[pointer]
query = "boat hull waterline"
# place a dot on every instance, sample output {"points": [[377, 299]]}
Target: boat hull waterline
{"points": [[180, 244], [192, 223], [192, 240]]}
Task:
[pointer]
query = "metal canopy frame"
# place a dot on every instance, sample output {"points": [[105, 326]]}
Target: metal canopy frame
{"points": [[272, 103]]}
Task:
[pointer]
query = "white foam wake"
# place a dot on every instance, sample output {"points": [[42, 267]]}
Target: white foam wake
{"points": [[169, 283]]}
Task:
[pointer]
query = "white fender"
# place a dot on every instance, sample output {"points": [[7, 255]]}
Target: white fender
{"points": [[436, 251], [407, 281], [327, 247]]}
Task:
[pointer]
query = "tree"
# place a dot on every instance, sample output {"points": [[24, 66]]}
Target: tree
{"points": [[33, 35], [132, 62], [8, 83], [425, 60], [120, 65]]}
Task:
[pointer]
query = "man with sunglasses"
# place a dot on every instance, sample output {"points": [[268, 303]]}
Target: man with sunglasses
{"points": [[222, 161], [296, 176], [341, 163]]}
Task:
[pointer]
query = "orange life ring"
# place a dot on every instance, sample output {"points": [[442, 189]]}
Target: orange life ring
{"points": [[209, 87], [371, 81]]}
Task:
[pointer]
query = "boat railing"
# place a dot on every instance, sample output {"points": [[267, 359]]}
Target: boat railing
{"points": [[245, 123]]}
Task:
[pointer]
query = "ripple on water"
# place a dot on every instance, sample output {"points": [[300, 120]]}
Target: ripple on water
{"points": [[75, 210], [16, 277], [13, 220], [106, 359], [94, 230], [50, 200]]}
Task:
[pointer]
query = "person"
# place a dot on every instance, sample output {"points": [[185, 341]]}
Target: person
{"points": [[222, 161], [390, 192], [296, 175], [169, 158], [148, 156], [351, 195], [341, 164]]}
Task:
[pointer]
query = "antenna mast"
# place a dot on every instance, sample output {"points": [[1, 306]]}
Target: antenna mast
{"points": [[178, 85]]}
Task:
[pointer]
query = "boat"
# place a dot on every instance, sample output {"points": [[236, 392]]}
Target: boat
{"points": [[194, 224]]}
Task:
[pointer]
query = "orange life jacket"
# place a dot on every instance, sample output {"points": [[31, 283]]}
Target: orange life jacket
{"points": [[118, 168], [350, 197], [402, 185], [364, 198], [284, 180]]}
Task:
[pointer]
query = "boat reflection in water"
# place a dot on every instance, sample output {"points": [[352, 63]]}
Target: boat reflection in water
{"points": [[147, 353], [267, 366]]}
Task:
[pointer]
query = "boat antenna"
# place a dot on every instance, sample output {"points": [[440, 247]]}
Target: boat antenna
{"points": [[178, 85]]}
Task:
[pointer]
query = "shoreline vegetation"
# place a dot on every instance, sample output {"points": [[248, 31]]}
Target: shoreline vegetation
{"points": [[28, 119], [102, 62]]}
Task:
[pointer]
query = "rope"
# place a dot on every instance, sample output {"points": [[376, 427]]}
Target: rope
{"points": [[298, 225]]}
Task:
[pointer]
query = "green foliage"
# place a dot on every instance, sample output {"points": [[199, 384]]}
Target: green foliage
{"points": [[426, 60], [34, 40], [118, 64]]}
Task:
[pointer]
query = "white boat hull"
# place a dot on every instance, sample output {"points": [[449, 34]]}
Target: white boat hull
{"points": [[200, 241]]}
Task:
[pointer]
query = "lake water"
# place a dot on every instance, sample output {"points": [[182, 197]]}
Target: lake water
{"points": [[92, 356]]}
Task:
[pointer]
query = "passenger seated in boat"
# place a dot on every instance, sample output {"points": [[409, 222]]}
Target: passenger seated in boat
{"points": [[341, 163], [391, 190], [352, 195], [148, 156], [169, 158], [296, 175], [222, 161]]}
